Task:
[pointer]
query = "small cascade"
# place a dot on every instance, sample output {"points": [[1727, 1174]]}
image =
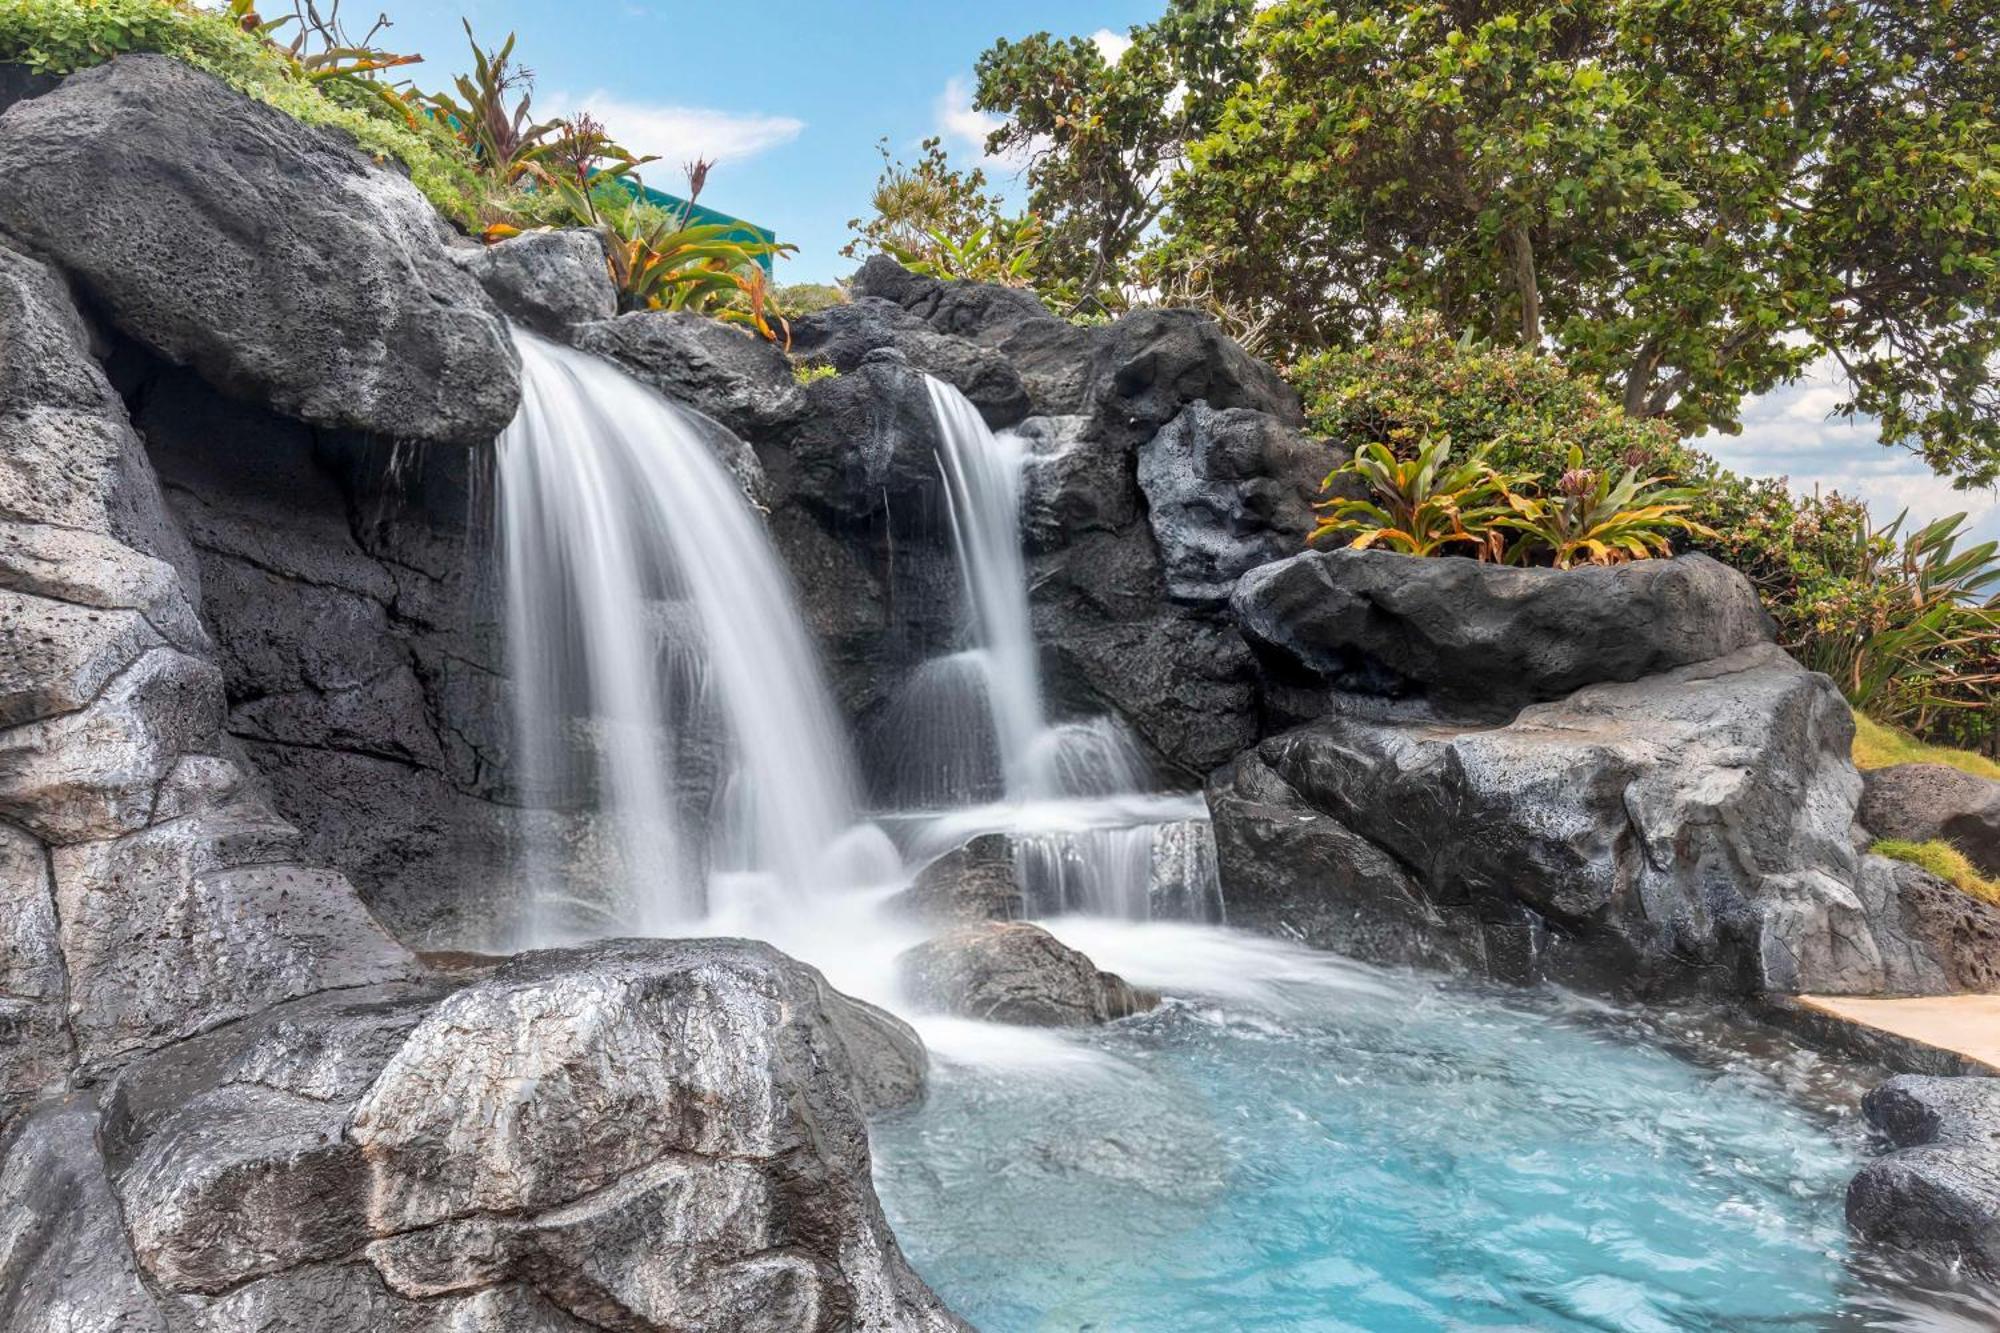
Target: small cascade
{"points": [[1088, 837], [661, 673]]}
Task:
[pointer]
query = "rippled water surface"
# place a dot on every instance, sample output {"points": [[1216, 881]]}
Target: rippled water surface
{"points": [[1292, 1142]]}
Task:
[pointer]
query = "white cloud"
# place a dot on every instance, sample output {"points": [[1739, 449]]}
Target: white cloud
{"points": [[1111, 45], [966, 129], [1789, 433], [678, 134]]}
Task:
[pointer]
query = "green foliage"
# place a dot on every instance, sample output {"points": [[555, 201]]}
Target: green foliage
{"points": [[1945, 861], [806, 372], [1878, 745], [1908, 624], [62, 36], [807, 298], [916, 203], [1104, 137], [1424, 504], [1592, 517], [1003, 250], [1690, 201], [1416, 380]]}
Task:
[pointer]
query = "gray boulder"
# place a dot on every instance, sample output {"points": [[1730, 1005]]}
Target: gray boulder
{"points": [[1015, 972], [1489, 638], [547, 280], [272, 257], [1228, 491], [972, 882], [1920, 802], [842, 336], [1686, 831], [1938, 1195], [644, 1135], [739, 379]]}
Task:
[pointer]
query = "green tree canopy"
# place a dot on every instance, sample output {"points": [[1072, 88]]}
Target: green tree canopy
{"points": [[1690, 199], [1103, 138]]}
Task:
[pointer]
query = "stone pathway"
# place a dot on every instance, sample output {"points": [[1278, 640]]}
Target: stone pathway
{"points": [[1965, 1025]]}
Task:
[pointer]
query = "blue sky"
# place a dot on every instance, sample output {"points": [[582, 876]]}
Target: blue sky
{"points": [[790, 99]]}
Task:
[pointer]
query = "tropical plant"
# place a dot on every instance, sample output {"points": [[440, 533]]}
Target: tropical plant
{"points": [[661, 259], [1592, 517], [914, 202], [1910, 629], [1000, 250], [1422, 505], [504, 142]]}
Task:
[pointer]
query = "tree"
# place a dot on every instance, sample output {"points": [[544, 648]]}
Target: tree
{"points": [[1691, 200], [917, 204], [1102, 137]]}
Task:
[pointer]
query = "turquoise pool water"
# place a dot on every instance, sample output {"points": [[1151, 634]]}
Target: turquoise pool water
{"points": [[1313, 1146]]}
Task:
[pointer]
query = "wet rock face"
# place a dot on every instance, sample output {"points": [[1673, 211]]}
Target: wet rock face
{"points": [[1920, 802], [1938, 1195], [1490, 638], [273, 258], [639, 1135], [1015, 972], [1127, 601]]}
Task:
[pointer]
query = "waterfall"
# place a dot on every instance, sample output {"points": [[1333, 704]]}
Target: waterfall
{"points": [[1087, 836], [657, 658]]}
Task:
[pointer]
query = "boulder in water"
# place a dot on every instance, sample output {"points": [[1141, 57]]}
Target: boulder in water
{"points": [[1015, 972], [1920, 802], [1938, 1195], [642, 1134], [272, 257], [972, 882]]}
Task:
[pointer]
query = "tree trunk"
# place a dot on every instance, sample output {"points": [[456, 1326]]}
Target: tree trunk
{"points": [[1531, 293], [1639, 379]]}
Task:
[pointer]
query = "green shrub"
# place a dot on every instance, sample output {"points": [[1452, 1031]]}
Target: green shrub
{"points": [[63, 36]]}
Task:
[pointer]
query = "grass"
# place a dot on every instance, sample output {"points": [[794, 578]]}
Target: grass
{"points": [[806, 372], [1943, 860], [1879, 746]]}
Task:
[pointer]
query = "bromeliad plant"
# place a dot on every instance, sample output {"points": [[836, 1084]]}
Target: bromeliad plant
{"points": [[1424, 505], [1594, 518], [663, 259], [503, 141]]}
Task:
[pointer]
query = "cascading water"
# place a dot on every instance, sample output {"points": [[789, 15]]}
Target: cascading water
{"points": [[1088, 837], [657, 658]]}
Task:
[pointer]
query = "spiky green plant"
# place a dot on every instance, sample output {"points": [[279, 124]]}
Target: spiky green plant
{"points": [[1595, 518], [1423, 505]]}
